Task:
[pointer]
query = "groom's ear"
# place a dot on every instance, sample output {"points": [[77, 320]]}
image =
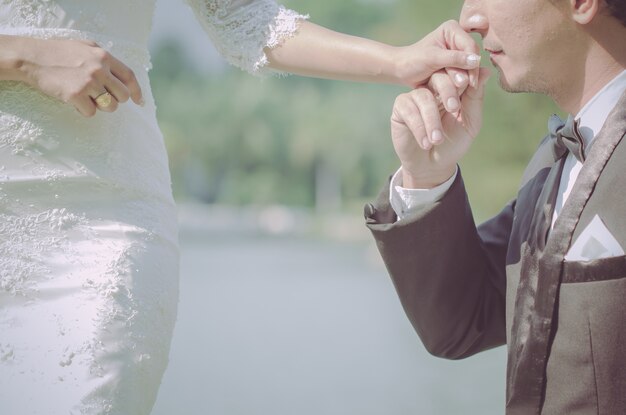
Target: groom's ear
{"points": [[583, 11]]}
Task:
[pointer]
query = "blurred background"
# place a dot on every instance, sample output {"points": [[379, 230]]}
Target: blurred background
{"points": [[285, 307]]}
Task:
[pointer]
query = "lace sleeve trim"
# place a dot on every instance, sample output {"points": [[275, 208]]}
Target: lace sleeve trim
{"points": [[284, 26], [241, 33]]}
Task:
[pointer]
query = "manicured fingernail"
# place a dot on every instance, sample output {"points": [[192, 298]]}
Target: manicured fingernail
{"points": [[453, 104], [426, 144], [437, 136], [460, 79], [473, 60]]}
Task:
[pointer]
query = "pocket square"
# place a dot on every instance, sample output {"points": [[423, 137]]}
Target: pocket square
{"points": [[594, 242]]}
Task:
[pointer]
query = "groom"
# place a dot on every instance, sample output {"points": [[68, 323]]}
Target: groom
{"points": [[546, 276]]}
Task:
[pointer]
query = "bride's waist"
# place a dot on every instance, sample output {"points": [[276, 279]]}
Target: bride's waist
{"points": [[132, 53], [31, 177], [41, 140]]}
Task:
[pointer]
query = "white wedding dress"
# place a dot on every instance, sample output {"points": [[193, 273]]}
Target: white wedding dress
{"points": [[88, 233]]}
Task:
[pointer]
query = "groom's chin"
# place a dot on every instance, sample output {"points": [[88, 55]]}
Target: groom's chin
{"points": [[519, 83], [506, 84]]}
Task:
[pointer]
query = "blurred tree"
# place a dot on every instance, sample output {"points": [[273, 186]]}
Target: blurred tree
{"points": [[233, 138]]}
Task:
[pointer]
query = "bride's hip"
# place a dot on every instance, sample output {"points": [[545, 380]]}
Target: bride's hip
{"points": [[41, 247], [101, 298]]}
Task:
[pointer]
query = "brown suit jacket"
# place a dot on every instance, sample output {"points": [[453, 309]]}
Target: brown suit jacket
{"points": [[466, 289]]}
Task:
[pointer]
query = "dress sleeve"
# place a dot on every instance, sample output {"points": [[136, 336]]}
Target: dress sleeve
{"points": [[241, 29]]}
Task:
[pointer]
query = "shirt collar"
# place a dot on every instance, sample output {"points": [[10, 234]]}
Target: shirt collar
{"points": [[595, 112]]}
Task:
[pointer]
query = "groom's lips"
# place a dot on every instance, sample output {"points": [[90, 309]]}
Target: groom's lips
{"points": [[493, 54], [494, 51]]}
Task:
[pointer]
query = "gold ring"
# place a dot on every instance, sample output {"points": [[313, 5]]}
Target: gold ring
{"points": [[104, 100]]}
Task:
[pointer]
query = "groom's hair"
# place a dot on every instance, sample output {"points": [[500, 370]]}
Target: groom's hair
{"points": [[617, 8]]}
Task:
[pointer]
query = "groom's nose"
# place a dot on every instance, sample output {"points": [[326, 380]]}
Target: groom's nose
{"points": [[472, 18]]}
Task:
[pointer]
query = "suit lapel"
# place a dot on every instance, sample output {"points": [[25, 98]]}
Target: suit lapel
{"points": [[601, 150], [520, 391], [541, 269]]}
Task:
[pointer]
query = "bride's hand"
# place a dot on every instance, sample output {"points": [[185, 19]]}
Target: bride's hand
{"points": [[77, 72], [449, 47]]}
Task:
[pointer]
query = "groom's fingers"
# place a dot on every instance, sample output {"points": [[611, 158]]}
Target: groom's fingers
{"points": [[429, 113], [407, 112], [445, 89]]}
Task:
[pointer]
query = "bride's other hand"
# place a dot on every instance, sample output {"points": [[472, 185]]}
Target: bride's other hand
{"points": [[449, 47], [73, 71]]}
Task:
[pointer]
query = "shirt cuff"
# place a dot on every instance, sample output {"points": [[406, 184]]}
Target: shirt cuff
{"points": [[407, 201]]}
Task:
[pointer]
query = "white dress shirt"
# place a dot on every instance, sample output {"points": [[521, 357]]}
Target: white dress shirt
{"points": [[591, 118]]}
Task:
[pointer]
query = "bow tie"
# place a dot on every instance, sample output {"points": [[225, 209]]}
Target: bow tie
{"points": [[566, 138]]}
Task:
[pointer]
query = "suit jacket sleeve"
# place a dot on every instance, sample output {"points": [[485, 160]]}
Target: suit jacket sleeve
{"points": [[449, 274]]}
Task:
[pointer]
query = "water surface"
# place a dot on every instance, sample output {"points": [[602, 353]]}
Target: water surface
{"points": [[293, 325]]}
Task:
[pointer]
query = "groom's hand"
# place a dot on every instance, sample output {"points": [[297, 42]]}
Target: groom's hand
{"points": [[430, 140]]}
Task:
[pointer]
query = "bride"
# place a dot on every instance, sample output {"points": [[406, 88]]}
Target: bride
{"points": [[88, 233]]}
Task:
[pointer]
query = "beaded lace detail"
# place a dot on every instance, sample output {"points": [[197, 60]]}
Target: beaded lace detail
{"points": [[23, 239], [39, 13], [241, 29]]}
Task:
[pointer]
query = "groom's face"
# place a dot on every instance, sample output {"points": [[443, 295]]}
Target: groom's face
{"points": [[529, 41]]}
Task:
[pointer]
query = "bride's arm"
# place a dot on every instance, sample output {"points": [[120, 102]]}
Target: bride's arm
{"points": [[320, 52], [72, 71], [255, 34]]}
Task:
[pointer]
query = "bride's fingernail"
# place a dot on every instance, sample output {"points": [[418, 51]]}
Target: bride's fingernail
{"points": [[473, 60]]}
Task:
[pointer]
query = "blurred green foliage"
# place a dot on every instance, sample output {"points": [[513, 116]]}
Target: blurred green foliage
{"points": [[236, 139]]}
